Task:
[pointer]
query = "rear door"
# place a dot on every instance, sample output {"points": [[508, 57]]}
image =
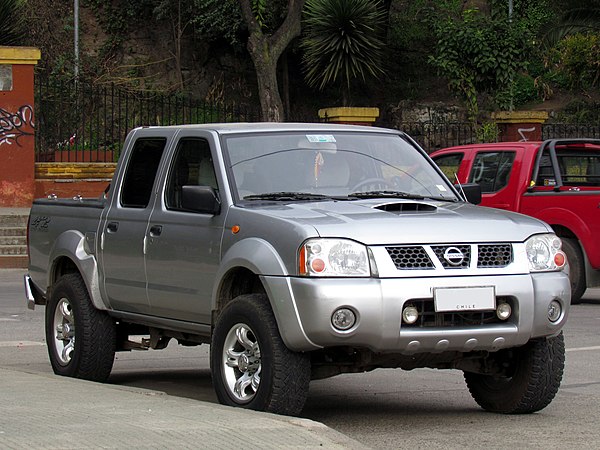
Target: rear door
{"points": [[183, 247], [124, 229]]}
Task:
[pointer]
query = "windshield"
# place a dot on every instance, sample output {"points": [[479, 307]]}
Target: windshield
{"points": [[305, 166]]}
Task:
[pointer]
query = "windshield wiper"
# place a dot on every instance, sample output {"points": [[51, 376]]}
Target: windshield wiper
{"points": [[286, 196], [383, 193], [398, 194]]}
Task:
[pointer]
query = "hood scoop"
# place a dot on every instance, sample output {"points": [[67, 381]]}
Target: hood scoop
{"points": [[406, 207]]}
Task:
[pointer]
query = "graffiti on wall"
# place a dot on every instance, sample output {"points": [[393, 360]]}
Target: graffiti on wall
{"points": [[16, 125]]}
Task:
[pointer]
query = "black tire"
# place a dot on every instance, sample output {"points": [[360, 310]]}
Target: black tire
{"points": [[247, 352], [576, 269], [81, 339], [537, 373]]}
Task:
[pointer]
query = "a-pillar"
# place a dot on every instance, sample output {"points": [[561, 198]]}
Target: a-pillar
{"points": [[17, 126], [519, 126], [349, 115]]}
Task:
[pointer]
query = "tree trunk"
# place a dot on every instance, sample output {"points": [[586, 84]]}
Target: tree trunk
{"points": [[265, 64], [265, 51]]}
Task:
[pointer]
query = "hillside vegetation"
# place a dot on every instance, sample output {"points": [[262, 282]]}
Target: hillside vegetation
{"points": [[469, 54]]}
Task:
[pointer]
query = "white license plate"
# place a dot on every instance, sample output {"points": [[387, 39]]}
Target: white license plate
{"points": [[465, 299]]}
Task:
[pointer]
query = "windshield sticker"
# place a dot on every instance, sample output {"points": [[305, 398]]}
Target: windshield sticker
{"points": [[320, 138], [440, 187]]}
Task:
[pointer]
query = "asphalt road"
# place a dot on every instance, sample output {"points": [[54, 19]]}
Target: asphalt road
{"points": [[381, 409]]}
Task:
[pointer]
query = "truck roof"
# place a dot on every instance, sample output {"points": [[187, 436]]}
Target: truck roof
{"points": [[245, 127]]}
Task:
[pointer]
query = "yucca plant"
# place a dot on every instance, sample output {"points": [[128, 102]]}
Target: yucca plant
{"points": [[342, 41], [12, 29]]}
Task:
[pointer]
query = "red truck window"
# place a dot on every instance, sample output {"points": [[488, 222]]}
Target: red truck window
{"points": [[579, 169], [450, 164], [492, 170]]}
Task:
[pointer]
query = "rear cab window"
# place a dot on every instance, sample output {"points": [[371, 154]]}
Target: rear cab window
{"points": [[141, 172]]}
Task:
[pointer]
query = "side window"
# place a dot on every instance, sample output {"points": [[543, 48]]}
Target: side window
{"points": [[141, 172], [449, 164], [492, 170], [192, 166], [579, 168]]}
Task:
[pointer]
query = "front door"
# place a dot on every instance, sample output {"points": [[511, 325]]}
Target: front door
{"points": [[183, 247]]}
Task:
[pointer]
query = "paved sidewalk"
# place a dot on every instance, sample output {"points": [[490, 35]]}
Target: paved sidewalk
{"points": [[47, 411]]}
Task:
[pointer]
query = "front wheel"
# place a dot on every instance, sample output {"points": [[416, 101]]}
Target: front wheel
{"points": [[532, 378], [81, 339], [251, 366]]}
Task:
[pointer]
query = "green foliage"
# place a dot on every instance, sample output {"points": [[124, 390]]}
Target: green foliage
{"points": [[487, 132], [577, 59], [342, 40], [219, 19], [478, 53], [12, 22]]}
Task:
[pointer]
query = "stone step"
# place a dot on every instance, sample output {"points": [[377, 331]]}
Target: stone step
{"points": [[10, 250], [12, 240], [13, 220], [13, 231]]}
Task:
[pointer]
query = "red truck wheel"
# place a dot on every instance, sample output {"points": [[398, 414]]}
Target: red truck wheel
{"points": [[576, 269]]}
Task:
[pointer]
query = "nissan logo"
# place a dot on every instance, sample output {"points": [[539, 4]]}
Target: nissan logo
{"points": [[454, 256]]}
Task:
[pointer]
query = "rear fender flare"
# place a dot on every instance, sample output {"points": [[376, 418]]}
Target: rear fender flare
{"points": [[71, 245]]}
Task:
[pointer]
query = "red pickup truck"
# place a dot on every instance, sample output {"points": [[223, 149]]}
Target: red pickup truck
{"points": [[557, 181]]}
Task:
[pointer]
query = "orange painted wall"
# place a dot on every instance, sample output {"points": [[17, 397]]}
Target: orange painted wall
{"points": [[17, 126]]}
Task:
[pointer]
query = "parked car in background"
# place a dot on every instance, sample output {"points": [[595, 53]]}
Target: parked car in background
{"points": [[557, 181]]}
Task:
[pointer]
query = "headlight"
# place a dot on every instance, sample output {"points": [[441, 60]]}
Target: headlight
{"points": [[544, 253], [333, 258]]}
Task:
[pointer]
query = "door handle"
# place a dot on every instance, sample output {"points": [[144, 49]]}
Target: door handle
{"points": [[112, 227], [155, 230]]}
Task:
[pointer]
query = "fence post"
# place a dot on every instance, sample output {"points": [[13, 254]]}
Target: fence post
{"points": [[519, 126], [17, 125]]}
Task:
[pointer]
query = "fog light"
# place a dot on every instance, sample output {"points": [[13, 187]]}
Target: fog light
{"points": [[554, 311], [410, 314], [503, 311], [343, 319]]}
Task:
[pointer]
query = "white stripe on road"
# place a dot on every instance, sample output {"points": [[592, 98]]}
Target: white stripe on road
{"points": [[20, 344], [583, 349]]}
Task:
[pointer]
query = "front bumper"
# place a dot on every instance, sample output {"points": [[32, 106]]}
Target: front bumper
{"points": [[304, 306]]}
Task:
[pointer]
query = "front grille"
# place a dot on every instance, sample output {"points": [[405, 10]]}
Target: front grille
{"points": [[410, 257], [459, 256], [443, 251], [494, 255], [428, 318]]}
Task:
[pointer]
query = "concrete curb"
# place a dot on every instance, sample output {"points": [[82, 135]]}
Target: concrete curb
{"points": [[47, 411]]}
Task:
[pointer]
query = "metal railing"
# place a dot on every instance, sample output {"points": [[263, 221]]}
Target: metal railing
{"points": [[86, 123]]}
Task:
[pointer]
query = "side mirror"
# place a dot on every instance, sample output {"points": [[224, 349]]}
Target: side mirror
{"points": [[471, 191], [202, 199]]}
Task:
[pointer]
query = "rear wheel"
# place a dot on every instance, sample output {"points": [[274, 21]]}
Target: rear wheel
{"points": [[576, 269], [81, 339], [251, 366], [533, 376]]}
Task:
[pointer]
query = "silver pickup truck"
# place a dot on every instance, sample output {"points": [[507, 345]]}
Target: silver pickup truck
{"points": [[299, 251]]}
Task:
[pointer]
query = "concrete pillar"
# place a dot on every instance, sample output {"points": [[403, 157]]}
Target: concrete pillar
{"points": [[17, 125], [349, 115], [519, 126]]}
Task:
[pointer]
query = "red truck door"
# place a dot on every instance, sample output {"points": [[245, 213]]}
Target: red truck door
{"points": [[495, 169]]}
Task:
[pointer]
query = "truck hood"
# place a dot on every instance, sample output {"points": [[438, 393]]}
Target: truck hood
{"points": [[391, 221]]}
